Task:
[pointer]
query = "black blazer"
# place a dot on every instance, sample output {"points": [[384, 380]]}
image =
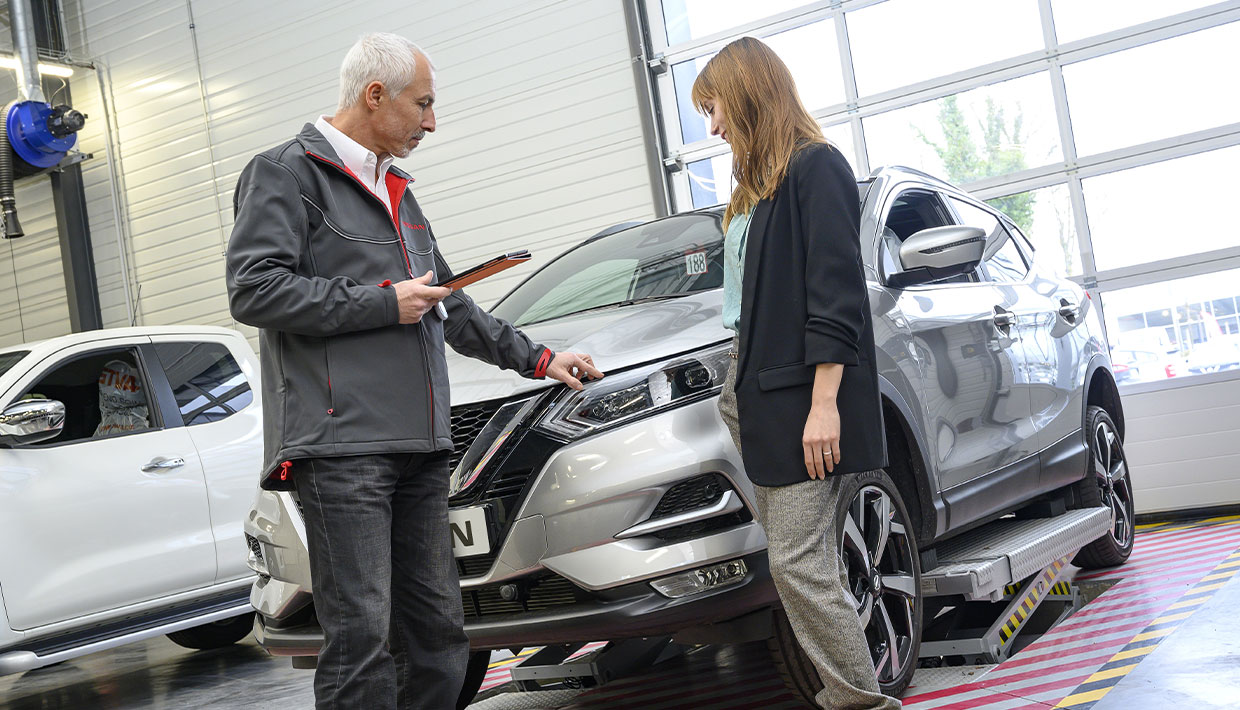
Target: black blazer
{"points": [[804, 302]]}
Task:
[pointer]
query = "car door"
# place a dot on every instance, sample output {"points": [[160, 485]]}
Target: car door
{"points": [[1056, 341], [218, 405], [963, 345], [113, 511]]}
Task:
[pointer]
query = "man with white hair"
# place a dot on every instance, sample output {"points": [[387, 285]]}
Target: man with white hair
{"points": [[331, 257]]}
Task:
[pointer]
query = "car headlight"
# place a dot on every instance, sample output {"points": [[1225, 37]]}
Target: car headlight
{"points": [[625, 396]]}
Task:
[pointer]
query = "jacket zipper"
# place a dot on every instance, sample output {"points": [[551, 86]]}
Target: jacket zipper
{"points": [[404, 253]]}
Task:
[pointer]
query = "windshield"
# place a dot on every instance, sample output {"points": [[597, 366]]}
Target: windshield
{"points": [[9, 359], [663, 259]]}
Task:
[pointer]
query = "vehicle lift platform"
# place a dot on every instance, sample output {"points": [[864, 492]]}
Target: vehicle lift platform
{"points": [[1018, 560]]}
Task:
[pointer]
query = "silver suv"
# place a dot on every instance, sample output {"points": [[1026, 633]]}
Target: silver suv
{"points": [[624, 510]]}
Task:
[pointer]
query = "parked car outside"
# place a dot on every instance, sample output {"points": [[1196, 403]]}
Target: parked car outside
{"points": [[624, 511], [127, 461], [1132, 366]]}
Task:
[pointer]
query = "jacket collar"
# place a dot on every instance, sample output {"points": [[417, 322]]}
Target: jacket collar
{"points": [[316, 143], [749, 284]]}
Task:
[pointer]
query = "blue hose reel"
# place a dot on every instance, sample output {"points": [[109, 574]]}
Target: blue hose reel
{"points": [[41, 134]]}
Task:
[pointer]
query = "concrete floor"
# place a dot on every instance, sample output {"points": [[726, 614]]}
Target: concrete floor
{"points": [[1160, 638]]}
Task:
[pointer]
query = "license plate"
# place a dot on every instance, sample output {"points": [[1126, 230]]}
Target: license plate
{"points": [[468, 527]]}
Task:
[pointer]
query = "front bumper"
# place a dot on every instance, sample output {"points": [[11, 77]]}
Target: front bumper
{"points": [[574, 525], [631, 612]]}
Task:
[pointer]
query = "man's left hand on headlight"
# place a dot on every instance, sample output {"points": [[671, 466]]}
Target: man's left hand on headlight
{"points": [[571, 368]]}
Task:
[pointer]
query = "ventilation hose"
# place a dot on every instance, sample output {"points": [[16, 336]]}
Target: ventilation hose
{"points": [[8, 201]]}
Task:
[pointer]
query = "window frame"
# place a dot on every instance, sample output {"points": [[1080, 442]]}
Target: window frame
{"points": [[159, 416], [154, 347], [1001, 219]]}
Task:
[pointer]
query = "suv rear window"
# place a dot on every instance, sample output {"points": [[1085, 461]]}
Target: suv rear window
{"points": [[206, 381]]}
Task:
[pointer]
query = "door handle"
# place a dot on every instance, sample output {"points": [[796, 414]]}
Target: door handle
{"points": [[1004, 319], [160, 464]]}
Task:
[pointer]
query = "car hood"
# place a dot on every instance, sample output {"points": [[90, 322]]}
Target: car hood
{"points": [[616, 338]]}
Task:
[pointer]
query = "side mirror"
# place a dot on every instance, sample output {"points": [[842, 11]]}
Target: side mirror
{"points": [[31, 421], [939, 253]]}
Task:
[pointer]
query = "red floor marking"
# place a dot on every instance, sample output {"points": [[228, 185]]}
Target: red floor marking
{"points": [[1023, 693], [1096, 653], [1143, 550], [1173, 538], [1144, 547], [1156, 565]]}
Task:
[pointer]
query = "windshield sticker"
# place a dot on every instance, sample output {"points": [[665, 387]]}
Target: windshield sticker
{"points": [[695, 263]]}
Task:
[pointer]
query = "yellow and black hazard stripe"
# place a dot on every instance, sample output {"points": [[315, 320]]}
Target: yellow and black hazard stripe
{"points": [[1126, 659], [1037, 589], [1063, 589]]}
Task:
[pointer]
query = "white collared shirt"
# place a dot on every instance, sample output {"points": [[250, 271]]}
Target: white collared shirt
{"points": [[360, 161], [364, 164]]}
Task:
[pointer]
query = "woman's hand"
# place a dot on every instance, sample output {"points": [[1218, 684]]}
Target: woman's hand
{"points": [[822, 439]]}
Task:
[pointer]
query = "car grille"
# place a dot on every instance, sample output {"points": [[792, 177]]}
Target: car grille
{"points": [[467, 422], [254, 546], [547, 592], [477, 566], [693, 494]]}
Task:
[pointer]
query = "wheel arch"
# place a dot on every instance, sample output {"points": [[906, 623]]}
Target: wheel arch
{"points": [[907, 465], [1101, 391]]}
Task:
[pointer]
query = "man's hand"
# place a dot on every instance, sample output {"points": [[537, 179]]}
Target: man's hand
{"points": [[416, 296], [570, 367]]}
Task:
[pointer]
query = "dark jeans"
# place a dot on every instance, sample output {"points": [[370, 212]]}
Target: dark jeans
{"points": [[385, 584]]}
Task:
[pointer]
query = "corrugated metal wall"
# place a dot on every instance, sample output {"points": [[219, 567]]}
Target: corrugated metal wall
{"points": [[539, 141], [33, 305]]}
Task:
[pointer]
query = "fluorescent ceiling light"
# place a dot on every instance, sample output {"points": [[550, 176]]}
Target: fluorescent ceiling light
{"points": [[48, 69]]}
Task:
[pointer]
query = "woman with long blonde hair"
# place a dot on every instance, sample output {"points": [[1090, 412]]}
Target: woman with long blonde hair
{"points": [[801, 399]]}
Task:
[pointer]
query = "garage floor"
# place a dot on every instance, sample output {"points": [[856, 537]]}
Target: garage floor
{"points": [[1160, 637]]}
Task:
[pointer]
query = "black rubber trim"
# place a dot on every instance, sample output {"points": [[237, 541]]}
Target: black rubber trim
{"points": [[77, 639]]}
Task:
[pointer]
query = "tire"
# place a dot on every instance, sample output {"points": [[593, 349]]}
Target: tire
{"points": [[860, 511], [1107, 484], [217, 634], [475, 673]]}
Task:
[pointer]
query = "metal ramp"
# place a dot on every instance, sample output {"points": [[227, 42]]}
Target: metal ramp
{"points": [[1018, 561]]}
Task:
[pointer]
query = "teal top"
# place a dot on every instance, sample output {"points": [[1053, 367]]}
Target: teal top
{"points": [[734, 269]]}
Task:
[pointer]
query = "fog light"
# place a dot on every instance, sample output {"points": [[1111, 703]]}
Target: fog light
{"points": [[255, 559], [701, 580]]}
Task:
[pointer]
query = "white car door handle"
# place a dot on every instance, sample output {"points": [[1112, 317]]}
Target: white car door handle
{"points": [[160, 464]]}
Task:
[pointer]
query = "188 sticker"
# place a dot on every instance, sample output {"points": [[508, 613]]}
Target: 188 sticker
{"points": [[695, 263]]}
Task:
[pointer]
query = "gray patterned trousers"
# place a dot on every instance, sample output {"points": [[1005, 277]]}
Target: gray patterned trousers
{"points": [[800, 521]]}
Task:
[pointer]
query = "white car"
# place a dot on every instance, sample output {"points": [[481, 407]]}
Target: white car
{"points": [[128, 460]]}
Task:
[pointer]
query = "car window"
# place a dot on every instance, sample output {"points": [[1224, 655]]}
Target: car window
{"points": [[911, 212], [663, 259], [9, 359], [1002, 261], [597, 284], [205, 379], [105, 393]]}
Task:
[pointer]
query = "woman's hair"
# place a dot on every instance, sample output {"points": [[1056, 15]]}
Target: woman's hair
{"points": [[766, 120]]}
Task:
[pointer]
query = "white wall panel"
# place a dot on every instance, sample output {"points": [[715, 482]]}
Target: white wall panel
{"points": [[33, 302], [1182, 445], [538, 146]]}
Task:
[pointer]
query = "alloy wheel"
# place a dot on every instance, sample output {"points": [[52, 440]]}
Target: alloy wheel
{"points": [[1114, 484], [878, 555]]}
